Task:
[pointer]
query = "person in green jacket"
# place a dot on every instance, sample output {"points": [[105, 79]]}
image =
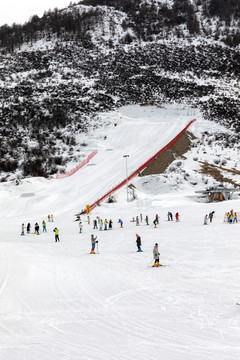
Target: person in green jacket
{"points": [[56, 230]]}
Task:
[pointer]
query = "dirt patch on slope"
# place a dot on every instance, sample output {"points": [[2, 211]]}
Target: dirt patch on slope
{"points": [[160, 164], [215, 172]]}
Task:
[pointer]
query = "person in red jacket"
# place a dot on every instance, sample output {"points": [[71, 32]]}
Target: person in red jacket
{"points": [[177, 216]]}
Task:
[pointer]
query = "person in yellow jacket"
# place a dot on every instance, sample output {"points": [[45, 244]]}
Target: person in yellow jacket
{"points": [[105, 224], [56, 231]]}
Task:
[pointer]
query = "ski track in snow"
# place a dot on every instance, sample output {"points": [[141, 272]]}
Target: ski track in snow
{"points": [[59, 302]]}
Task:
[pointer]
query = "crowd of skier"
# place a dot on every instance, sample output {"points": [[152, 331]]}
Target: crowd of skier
{"points": [[105, 225]]}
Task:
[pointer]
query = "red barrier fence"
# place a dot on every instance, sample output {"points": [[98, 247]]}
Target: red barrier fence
{"points": [[168, 146], [79, 166]]}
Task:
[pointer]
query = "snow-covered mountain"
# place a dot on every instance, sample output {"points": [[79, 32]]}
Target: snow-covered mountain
{"points": [[59, 72]]}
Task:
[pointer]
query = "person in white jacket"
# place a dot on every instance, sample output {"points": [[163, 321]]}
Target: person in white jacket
{"points": [[80, 227], [156, 255]]}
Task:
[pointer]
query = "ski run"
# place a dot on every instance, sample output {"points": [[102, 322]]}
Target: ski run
{"points": [[59, 302]]}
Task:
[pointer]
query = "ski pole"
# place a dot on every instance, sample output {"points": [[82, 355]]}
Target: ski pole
{"points": [[150, 262]]}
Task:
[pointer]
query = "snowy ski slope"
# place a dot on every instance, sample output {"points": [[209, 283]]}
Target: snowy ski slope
{"points": [[140, 132], [59, 302]]}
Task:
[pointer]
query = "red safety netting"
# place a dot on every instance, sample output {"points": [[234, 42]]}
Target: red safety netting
{"points": [[79, 166]]}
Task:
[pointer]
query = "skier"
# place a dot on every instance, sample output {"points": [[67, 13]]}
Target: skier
{"points": [[137, 221], [22, 233], [210, 216], [93, 242], [139, 244], [171, 216], [205, 220], [228, 217], [56, 231], [80, 227], [98, 220], [44, 226], [155, 223], [235, 218], [37, 229], [88, 219], [101, 225], [168, 216], [28, 228], [105, 224], [177, 216], [49, 218], [146, 219], [157, 218], [95, 224], [121, 223], [52, 218], [110, 225], [156, 255], [141, 218]]}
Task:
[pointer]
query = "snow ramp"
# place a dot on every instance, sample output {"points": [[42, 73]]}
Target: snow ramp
{"points": [[142, 167]]}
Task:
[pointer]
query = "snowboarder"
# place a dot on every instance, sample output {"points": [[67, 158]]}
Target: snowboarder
{"points": [[121, 223], [52, 218], [22, 233], [28, 228], [93, 242], [80, 227], [110, 225], [156, 255], [95, 224], [44, 226], [56, 231], [177, 216], [139, 244], [137, 221], [205, 220]]}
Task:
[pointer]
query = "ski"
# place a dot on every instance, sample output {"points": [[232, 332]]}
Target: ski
{"points": [[159, 266]]}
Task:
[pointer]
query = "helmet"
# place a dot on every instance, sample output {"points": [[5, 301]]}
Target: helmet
{"points": [[156, 244]]}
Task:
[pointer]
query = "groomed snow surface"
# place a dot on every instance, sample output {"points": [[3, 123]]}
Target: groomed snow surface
{"points": [[59, 302]]}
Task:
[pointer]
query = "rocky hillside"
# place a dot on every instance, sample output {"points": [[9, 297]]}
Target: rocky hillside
{"points": [[59, 71]]}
